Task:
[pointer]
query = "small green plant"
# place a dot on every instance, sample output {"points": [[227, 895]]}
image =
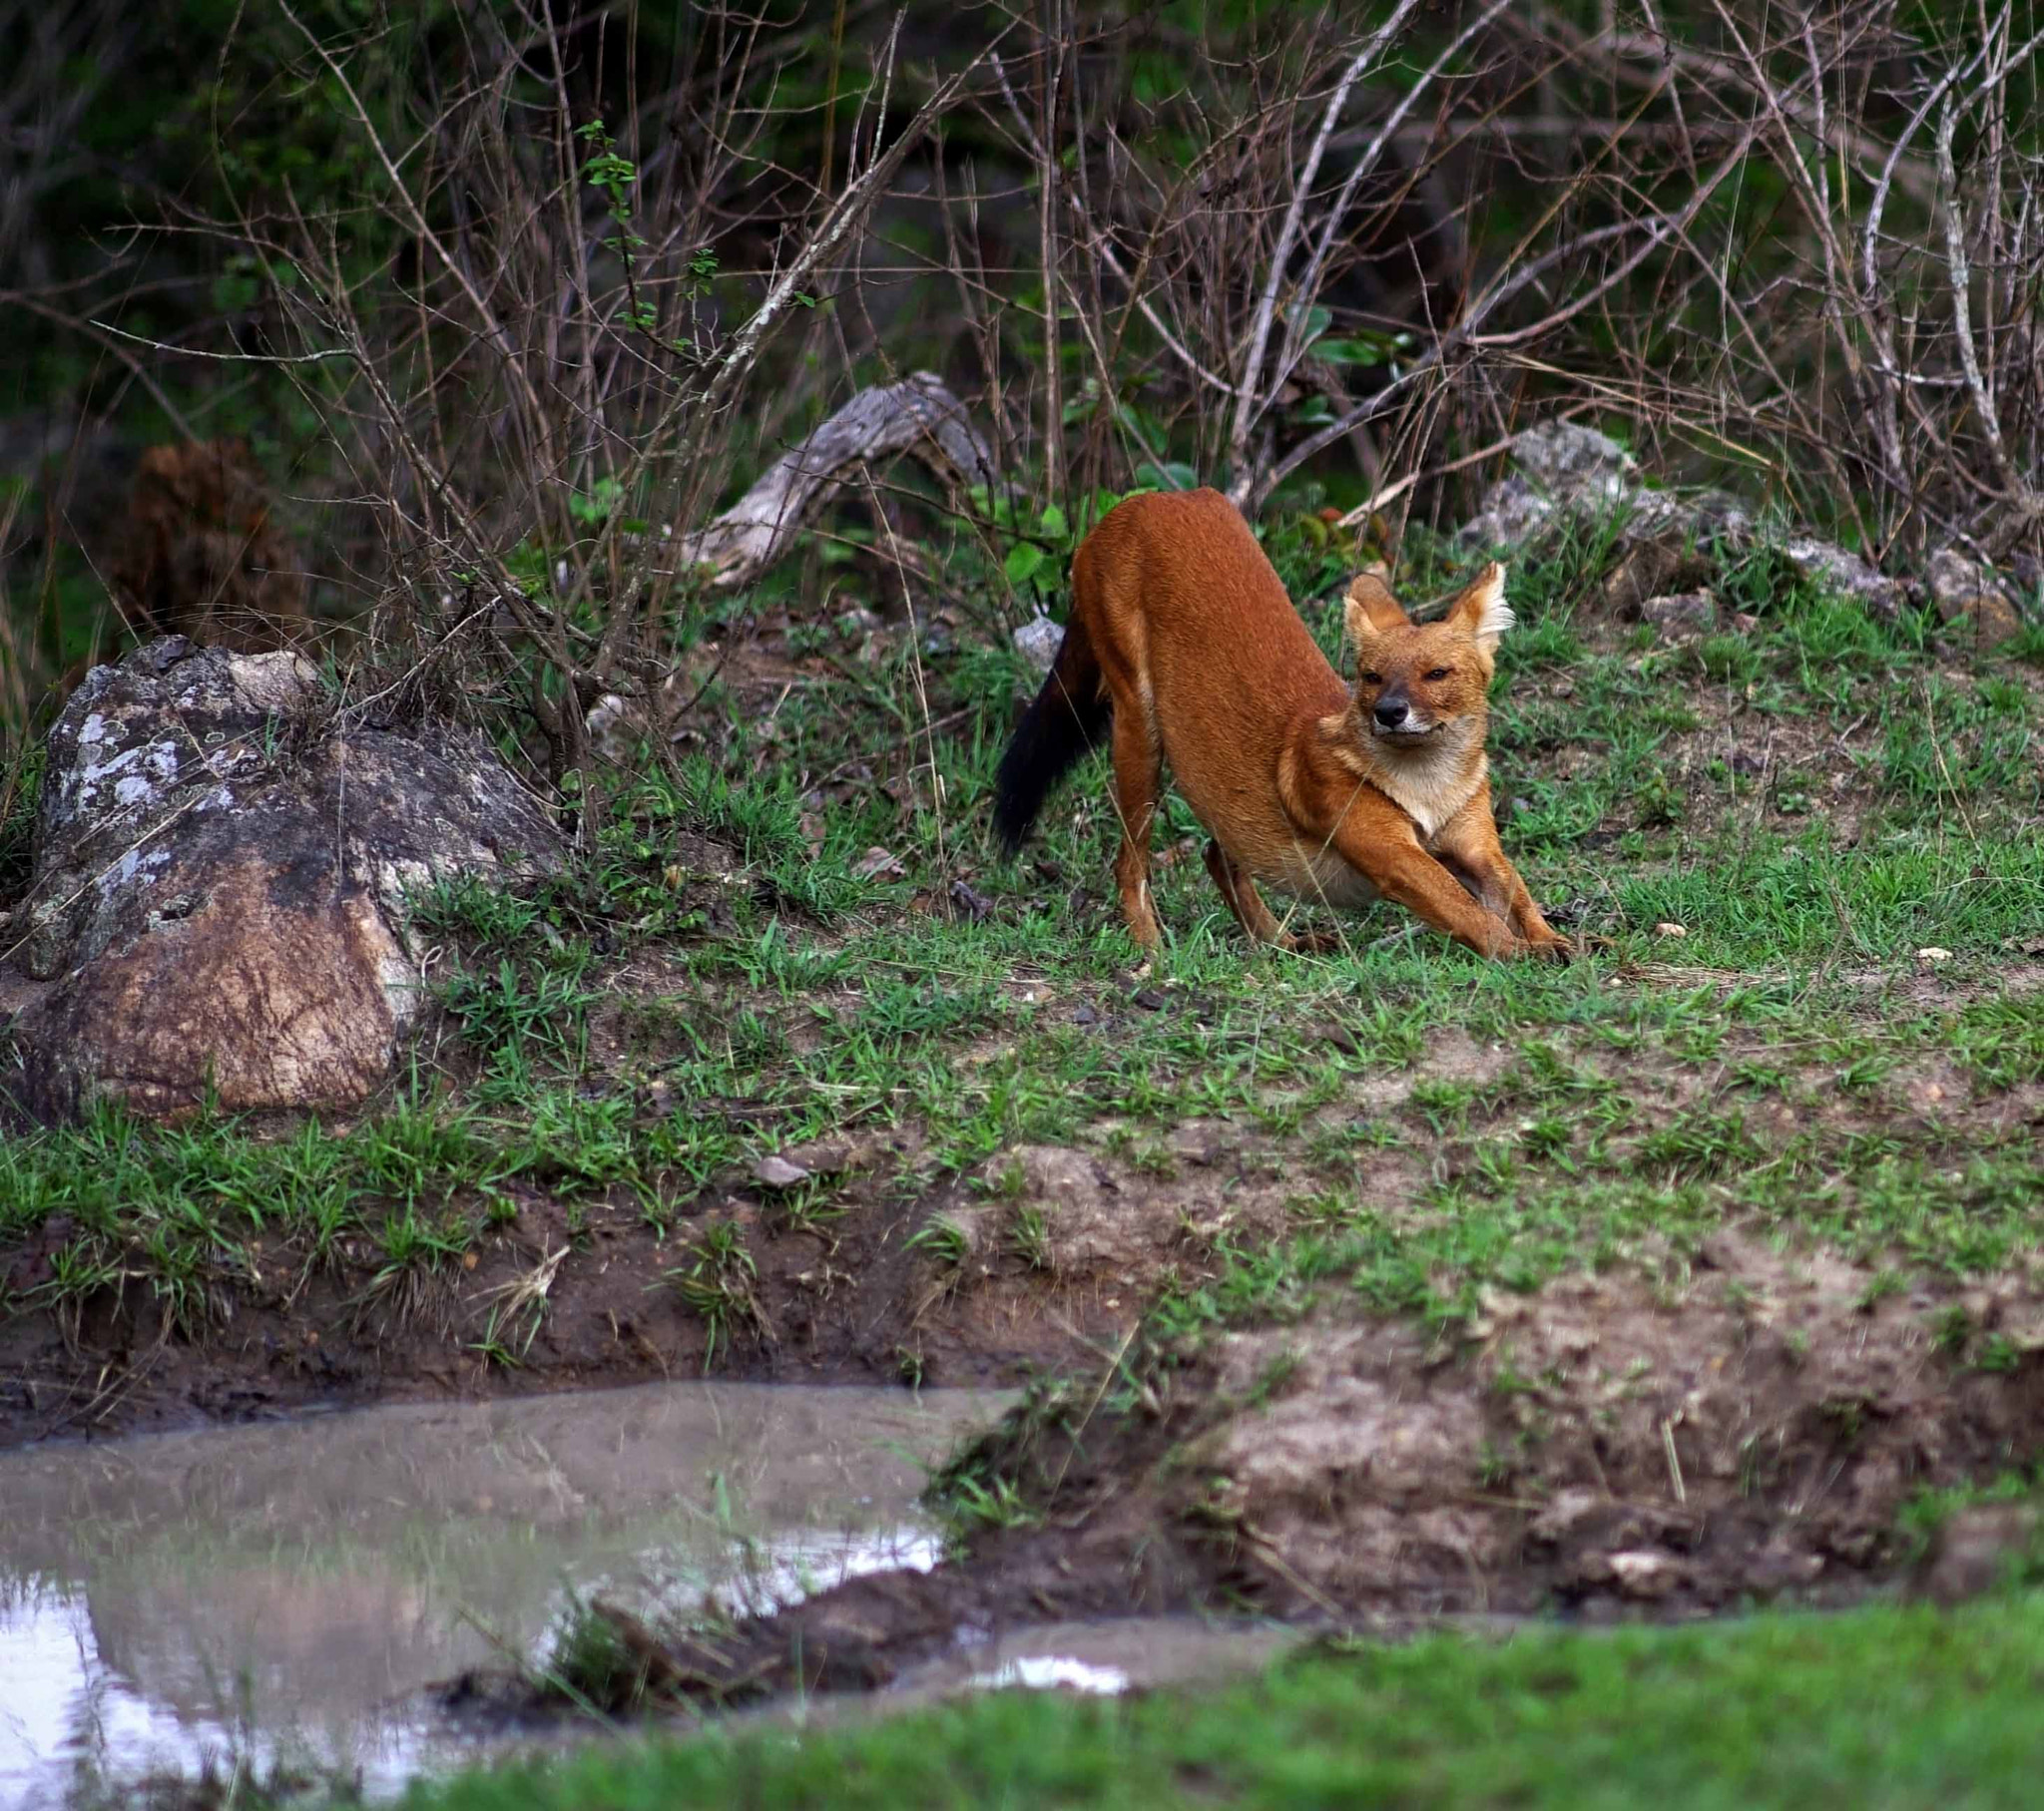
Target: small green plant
{"points": [[587, 1662], [716, 1283], [976, 1504], [1029, 1236], [942, 1239]]}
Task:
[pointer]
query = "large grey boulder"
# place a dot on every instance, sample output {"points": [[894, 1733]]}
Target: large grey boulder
{"points": [[217, 900]]}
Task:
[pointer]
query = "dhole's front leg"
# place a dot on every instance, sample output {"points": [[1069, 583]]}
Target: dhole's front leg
{"points": [[1137, 775], [1468, 847], [1403, 873]]}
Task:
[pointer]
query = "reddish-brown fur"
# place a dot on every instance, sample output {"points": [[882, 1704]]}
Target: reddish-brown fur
{"points": [[1182, 625]]}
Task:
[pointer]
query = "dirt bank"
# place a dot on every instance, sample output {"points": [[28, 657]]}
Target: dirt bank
{"points": [[843, 1300], [1598, 1451]]}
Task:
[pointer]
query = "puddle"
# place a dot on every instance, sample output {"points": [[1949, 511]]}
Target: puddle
{"points": [[282, 1590], [1103, 1659]]}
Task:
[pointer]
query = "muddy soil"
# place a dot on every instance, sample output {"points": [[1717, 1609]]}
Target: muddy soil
{"points": [[1743, 1423], [1597, 1452], [846, 1302], [847, 1298]]}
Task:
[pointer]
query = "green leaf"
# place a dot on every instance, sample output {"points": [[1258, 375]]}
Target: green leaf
{"points": [[1023, 559], [1357, 352], [1054, 524]]}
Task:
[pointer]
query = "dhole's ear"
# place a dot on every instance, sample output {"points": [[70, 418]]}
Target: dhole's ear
{"points": [[1481, 612], [1370, 608]]}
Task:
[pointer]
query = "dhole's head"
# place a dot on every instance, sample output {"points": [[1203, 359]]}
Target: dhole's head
{"points": [[1421, 685]]}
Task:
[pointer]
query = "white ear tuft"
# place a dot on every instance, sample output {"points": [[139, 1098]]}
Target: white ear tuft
{"points": [[1483, 608]]}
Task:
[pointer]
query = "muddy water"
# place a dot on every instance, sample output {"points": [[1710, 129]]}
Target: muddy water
{"points": [[282, 1590]]}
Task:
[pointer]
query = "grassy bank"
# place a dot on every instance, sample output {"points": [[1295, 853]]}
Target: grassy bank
{"points": [[803, 931], [1881, 1707]]}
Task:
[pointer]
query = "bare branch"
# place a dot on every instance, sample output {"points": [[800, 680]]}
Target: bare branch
{"points": [[1249, 405]]}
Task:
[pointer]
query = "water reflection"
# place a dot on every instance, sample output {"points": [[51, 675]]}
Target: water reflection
{"points": [[278, 1591]]}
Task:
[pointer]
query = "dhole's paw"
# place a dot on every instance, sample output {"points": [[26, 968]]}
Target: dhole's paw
{"points": [[1311, 943], [1551, 948]]}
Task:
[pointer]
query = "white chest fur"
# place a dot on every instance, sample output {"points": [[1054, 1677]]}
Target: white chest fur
{"points": [[1317, 875], [1430, 792]]}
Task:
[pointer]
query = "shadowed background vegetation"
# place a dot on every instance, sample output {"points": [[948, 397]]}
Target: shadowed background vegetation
{"points": [[505, 296]]}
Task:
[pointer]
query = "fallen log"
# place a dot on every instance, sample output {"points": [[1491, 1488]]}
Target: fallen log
{"points": [[918, 416]]}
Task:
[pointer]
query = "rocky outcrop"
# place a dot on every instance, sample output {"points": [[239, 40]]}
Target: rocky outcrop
{"points": [[218, 901], [1569, 473], [1971, 599]]}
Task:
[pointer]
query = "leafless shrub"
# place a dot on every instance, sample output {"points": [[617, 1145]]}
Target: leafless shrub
{"points": [[1799, 242], [1796, 243]]}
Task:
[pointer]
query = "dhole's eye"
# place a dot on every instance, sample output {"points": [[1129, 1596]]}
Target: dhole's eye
{"points": [[1439, 673], [1371, 679]]}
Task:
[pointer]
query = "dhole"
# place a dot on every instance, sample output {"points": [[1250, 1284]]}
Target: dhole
{"points": [[1182, 639]]}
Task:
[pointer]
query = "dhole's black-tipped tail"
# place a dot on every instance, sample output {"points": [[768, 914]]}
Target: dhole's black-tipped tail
{"points": [[1065, 721]]}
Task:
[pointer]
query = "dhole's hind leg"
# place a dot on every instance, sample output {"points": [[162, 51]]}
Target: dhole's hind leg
{"points": [[1137, 776], [1253, 915], [1240, 891]]}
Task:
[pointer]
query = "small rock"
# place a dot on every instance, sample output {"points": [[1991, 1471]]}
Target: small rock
{"points": [[1968, 596], [1038, 642], [969, 902], [1513, 512], [776, 1171], [879, 864], [613, 726], [1654, 570], [1201, 1142], [1669, 927], [1976, 1548], [1645, 1574], [1563, 1514], [1690, 611], [1566, 471], [1780, 1566], [1569, 459], [835, 1156], [1337, 1037], [1090, 1229], [1150, 1000], [1930, 955], [1846, 572], [1563, 468]]}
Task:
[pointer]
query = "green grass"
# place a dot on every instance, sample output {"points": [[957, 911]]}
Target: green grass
{"points": [[1885, 1706], [1814, 801]]}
